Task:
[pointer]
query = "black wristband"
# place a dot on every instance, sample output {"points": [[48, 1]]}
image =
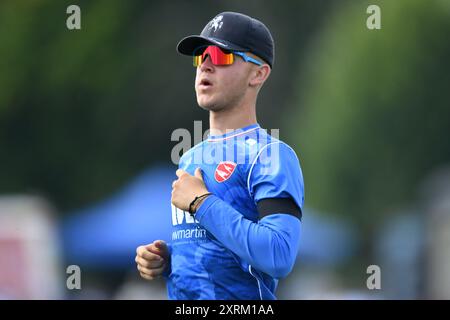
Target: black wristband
{"points": [[197, 198]]}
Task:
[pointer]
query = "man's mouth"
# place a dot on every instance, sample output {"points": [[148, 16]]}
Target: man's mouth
{"points": [[205, 83]]}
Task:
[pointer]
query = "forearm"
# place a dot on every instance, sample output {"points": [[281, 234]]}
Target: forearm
{"points": [[270, 245]]}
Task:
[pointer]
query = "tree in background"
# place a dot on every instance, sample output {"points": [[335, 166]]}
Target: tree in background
{"points": [[372, 113]]}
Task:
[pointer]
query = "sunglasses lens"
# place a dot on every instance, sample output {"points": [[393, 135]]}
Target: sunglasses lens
{"points": [[217, 56], [198, 60]]}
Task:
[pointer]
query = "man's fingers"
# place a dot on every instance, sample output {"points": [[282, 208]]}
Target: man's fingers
{"points": [[151, 274], [180, 173], [141, 249], [154, 272], [146, 254], [150, 264], [151, 259], [151, 256], [160, 248], [161, 245], [198, 173]]}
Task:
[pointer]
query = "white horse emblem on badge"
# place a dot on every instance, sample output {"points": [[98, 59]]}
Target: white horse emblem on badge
{"points": [[224, 171], [216, 23]]}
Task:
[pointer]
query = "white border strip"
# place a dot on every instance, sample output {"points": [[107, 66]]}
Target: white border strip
{"points": [[257, 280], [254, 162], [234, 135]]}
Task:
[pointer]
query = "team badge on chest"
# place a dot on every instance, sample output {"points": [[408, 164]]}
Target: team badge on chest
{"points": [[224, 171]]}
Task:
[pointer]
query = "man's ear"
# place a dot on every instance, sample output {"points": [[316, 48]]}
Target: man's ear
{"points": [[259, 75]]}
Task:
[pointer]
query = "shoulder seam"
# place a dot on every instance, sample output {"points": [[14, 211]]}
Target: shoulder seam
{"points": [[253, 164]]}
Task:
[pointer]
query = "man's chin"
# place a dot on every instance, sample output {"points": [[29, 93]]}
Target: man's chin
{"points": [[207, 105]]}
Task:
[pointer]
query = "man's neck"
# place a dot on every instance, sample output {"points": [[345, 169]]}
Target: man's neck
{"points": [[223, 121]]}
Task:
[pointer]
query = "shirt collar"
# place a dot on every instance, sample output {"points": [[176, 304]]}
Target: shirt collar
{"points": [[234, 133]]}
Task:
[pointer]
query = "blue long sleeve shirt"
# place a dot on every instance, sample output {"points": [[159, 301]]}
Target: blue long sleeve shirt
{"points": [[228, 251]]}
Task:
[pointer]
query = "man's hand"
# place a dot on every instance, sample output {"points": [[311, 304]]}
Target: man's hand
{"points": [[152, 259], [186, 188]]}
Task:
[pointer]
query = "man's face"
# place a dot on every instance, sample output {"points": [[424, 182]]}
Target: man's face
{"points": [[220, 87]]}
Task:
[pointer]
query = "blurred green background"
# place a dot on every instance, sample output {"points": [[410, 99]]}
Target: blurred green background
{"points": [[367, 111]]}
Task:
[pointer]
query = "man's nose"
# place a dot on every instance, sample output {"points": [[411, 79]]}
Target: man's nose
{"points": [[207, 65]]}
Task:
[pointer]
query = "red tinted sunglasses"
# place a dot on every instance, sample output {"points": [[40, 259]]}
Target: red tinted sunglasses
{"points": [[219, 57]]}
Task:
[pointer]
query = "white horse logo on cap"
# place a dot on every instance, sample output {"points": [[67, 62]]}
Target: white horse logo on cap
{"points": [[216, 23]]}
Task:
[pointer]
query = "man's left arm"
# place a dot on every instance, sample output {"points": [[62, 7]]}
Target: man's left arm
{"points": [[269, 245]]}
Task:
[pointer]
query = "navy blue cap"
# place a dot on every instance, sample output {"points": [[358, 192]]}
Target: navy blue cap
{"points": [[235, 32]]}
